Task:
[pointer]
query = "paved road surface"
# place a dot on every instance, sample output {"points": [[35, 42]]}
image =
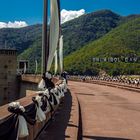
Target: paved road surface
{"points": [[108, 113]]}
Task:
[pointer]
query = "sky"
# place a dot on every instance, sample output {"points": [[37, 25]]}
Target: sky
{"points": [[18, 13]]}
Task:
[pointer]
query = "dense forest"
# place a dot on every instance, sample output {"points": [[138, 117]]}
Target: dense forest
{"points": [[88, 34], [122, 44]]}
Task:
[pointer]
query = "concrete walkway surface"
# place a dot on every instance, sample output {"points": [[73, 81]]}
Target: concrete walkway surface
{"points": [[108, 113]]}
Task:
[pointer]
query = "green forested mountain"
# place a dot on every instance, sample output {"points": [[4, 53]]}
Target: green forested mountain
{"points": [[77, 33], [123, 42], [21, 38], [88, 27]]}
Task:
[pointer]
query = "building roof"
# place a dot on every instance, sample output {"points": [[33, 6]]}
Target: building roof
{"points": [[8, 49]]}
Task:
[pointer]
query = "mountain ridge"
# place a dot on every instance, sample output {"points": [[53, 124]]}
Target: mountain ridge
{"points": [[122, 42], [77, 33]]}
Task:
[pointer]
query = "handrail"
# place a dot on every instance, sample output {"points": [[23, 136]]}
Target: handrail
{"points": [[134, 82], [107, 83], [26, 101]]}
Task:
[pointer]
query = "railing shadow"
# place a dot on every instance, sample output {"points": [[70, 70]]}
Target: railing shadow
{"points": [[104, 138], [56, 130], [85, 94]]}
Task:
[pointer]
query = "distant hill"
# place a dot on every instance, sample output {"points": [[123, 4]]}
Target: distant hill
{"points": [[122, 42], [77, 33], [21, 38], [32, 54], [81, 31], [88, 27]]}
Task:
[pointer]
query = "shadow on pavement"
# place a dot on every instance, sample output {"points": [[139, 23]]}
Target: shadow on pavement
{"points": [[104, 138], [85, 94], [56, 130]]}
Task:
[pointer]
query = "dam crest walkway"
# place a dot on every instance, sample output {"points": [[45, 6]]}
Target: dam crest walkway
{"points": [[96, 112]]}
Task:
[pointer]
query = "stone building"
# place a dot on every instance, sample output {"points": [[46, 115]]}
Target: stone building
{"points": [[8, 82]]}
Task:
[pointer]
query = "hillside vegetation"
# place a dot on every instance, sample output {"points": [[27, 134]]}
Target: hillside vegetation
{"points": [[77, 33], [21, 39], [122, 42], [88, 27]]}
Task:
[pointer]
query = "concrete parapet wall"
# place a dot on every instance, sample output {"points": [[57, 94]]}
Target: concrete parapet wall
{"points": [[28, 82], [31, 78], [111, 84]]}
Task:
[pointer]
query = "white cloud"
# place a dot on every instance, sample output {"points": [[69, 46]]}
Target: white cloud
{"points": [[15, 24], [69, 15]]}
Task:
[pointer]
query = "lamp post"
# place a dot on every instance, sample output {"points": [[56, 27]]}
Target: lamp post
{"points": [[45, 48]]}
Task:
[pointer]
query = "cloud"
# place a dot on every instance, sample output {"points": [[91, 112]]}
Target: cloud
{"points": [[69, 15], [15, 24]]}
